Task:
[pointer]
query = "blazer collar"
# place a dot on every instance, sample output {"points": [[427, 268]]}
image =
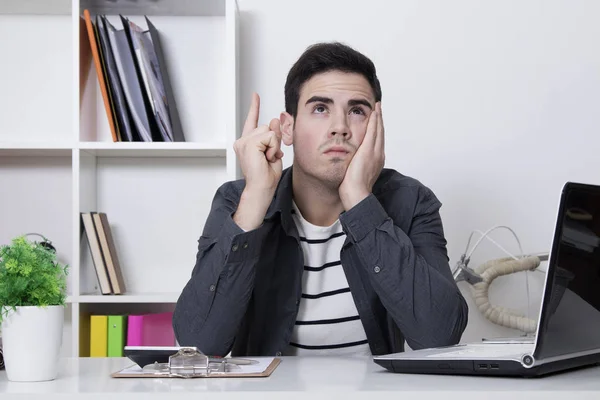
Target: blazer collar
{"points": [[282, 203]]}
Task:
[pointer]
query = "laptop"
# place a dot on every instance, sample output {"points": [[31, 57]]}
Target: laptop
{"points": [[568, 332]]}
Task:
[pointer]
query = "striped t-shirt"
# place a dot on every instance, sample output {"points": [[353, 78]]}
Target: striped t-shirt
{"points": [[327, 321]]}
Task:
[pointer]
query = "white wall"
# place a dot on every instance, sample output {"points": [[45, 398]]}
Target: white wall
{"points": [[494, 105]]}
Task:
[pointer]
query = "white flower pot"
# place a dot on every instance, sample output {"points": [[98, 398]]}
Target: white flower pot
{"points": [[31, 342]]}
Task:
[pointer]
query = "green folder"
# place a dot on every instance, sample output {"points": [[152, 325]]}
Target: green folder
{"points": [[116, 335]]}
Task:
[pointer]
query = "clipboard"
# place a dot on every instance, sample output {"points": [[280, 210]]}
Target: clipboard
{"points": [[188, 362]]}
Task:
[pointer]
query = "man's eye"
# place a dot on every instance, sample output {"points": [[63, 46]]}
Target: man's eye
{"points": [[358, 111], [320, 109]]}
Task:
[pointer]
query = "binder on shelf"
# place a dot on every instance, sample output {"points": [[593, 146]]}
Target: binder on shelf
{"points": [[96, 251], [85, 57], [117, 325], [121, 110], [127, 73], [149, 80], [150, 330], [98, 335], [134, 79], [109, 252], [92, 34], [177, 129]]}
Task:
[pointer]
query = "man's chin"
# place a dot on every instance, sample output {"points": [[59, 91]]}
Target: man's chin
{"points": [[331, 175], [334, 176]]}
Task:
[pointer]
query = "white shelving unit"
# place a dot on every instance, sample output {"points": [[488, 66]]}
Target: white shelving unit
{"points": [[57, 157]]}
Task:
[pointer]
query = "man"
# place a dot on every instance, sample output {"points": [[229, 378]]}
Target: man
{"points": [[334, 255]]}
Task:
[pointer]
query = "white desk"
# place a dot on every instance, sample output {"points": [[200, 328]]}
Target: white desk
{"points": [[301, 378]]}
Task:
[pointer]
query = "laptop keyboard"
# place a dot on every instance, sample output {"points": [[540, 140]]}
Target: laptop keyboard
{"points": [[494, 350]]}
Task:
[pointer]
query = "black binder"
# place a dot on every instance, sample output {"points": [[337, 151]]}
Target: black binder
{"points": [[144, 102], [123, 115], [130, 82], [173, 113], [154, 129]]}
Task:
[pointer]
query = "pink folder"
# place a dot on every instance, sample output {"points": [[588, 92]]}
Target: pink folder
{"points": [[150, 330]]}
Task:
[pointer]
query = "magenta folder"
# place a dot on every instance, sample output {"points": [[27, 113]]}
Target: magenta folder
{"points": [[150, 330]]}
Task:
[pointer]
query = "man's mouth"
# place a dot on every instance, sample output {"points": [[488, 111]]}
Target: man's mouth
{"points": [[337, 150]]}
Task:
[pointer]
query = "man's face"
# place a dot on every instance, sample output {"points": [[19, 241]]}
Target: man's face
{"points": [[333, 111]]}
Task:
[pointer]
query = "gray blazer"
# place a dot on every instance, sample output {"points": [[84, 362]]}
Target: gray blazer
{"points": [[245, 288]]}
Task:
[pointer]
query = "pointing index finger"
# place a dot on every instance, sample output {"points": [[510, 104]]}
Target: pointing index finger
{"points": [[252, 118]]}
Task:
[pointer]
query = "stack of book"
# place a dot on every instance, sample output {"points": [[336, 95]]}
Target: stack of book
{"points": [[134, 81], [109, 334], [104, 252]]}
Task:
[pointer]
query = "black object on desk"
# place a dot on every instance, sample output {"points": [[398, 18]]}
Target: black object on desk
{"points": [[145, 355]]}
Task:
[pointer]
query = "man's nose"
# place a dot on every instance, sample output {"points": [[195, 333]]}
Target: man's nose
{"points": [[339, 127]]}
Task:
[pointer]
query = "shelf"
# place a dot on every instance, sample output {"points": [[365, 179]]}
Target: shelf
{"points": [[58, 158], [8, 149], [37, 84], [39, 7], [204, 118], [156, 7], [127, 298], [154, 149], [111, 149]]}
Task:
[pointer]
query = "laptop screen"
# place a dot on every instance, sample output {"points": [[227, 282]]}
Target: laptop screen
{"points": [[570, 320]]}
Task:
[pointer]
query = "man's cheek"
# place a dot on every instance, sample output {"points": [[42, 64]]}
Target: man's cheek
{"points": [[361, 139], [361, 133]]}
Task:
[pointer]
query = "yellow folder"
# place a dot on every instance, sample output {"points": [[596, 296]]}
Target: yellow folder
{"points": [[98, 335]]}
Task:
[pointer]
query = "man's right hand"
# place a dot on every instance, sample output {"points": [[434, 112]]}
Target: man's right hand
{"points": [[259, 153]]}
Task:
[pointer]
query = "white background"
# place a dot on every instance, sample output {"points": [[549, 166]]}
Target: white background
{"points": [[492, 104]]}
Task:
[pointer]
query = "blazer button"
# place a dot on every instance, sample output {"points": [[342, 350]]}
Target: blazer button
{"points": [[376, 269], [278, 354], [235, 247], [212, 288]]}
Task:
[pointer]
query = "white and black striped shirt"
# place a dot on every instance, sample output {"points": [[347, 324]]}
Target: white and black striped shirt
{"points": [[327, 321]]}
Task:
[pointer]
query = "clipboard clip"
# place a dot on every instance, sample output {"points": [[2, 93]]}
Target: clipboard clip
{"points": [[189, 362]]}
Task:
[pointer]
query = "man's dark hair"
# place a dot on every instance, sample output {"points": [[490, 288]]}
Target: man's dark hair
{"points": [[325, 57]]}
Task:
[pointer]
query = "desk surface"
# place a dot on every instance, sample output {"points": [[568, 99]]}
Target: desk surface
{"points": [[304, 377]]}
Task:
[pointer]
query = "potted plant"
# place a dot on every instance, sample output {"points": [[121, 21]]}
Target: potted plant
{"points": [[32, 300]]}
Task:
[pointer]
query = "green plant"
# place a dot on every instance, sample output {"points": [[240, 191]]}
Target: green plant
{"points": [[30, 276]]}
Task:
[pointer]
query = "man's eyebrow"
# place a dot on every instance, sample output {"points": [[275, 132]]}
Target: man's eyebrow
{"points": [[327, 100], [355, 102], [319, 99]]}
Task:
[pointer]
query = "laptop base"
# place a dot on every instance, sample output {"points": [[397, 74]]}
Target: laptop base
{"points": [[507, 368]]}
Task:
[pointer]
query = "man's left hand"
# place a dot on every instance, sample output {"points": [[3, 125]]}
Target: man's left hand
{"points": [[367, 163]]}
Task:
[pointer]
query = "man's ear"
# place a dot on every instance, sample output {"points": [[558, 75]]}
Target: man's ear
{"points": [[287, 128]]}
